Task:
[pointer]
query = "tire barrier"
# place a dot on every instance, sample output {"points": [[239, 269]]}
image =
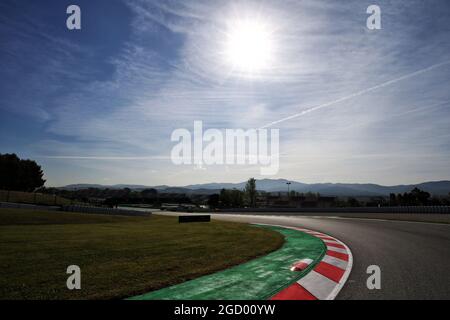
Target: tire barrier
{"points": [[196, 218]]}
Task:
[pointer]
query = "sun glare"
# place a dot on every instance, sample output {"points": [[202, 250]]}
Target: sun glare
{"points": [[249, 46]]}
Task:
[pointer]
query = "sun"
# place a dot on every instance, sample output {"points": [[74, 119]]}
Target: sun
{"points": [[249, 46]]}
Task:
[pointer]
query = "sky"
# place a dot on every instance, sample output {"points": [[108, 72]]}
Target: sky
{"points": [[99, 105]]}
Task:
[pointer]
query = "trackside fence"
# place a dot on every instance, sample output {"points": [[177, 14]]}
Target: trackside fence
{"points": [[33, 198], [76, 209], [101, 210], [406, 209]]}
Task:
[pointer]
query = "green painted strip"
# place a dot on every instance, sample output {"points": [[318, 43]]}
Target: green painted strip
{"points": [[258, 279]]}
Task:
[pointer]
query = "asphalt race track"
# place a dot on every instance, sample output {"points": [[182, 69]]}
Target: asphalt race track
{"points": [[414, 257]]}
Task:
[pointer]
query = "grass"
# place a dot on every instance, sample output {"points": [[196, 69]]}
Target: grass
{"points": [[119, 256], [259, 279]]}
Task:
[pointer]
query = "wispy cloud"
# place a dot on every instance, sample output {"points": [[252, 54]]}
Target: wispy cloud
{"points": [[359, 93], [387, 88]]}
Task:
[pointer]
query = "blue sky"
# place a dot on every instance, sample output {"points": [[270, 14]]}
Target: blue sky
{"points": [[98, 105]]}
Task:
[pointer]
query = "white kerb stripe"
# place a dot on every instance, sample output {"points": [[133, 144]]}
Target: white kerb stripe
{"points": [[307, 261], [315, 233], [318, 285], [325, 236], [341, 250], [335, 262], [331, 241]]}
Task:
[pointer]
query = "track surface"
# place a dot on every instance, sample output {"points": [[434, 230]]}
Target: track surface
{"points": [[414, 257]]}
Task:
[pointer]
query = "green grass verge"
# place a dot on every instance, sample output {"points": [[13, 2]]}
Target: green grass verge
{"points": [[258, 279], [119, 256]]}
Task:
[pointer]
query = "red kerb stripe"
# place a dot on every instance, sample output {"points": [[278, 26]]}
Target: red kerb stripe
{"points": [[338, 255], [294, 292], [331, 272], [332, 244]]}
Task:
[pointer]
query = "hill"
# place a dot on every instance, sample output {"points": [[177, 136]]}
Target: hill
{"points": [[279, 185]]}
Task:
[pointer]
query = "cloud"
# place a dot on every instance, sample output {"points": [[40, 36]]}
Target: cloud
{"points": [[170, 71]]}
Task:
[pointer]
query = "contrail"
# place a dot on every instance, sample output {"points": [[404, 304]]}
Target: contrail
{"points": [[359, 93]]}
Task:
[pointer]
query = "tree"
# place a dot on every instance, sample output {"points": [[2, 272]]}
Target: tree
{"points": [[231, 198], [420, 197], [250, 191], [416, 197], [312, 196], [19, 175], [113, 202], [352, 202], [392, 199], [225, 198], [237, 198], [149, 193], [213, 201]]}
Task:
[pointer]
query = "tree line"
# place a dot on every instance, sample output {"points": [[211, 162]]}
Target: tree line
{"points": [[235, 198], [114, 197], [417, 197], [26, 175], [19, 175]]}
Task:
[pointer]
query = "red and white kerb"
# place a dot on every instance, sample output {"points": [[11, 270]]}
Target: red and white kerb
{"points": [[327, 278]]}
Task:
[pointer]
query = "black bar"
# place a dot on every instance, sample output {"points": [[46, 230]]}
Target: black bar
{"points": [[196, 218]]}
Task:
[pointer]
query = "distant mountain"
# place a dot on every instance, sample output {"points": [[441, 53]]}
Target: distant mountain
{"points": [[268, 185], [161, 188], [333, 189], [279, 185]]}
